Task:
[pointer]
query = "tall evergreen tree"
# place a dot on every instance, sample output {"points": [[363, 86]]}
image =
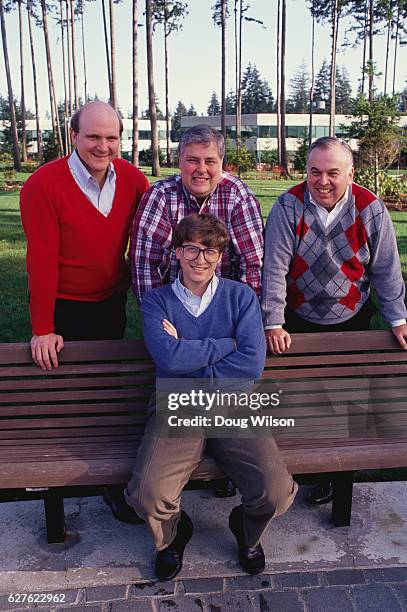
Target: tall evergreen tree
{"points": [[343, 90], [322, 91], [169, 13], [231, 102], [134, 114], [256, 92], [331, 11], [34, 68], [403, 102], [56, 128], [13, 122], [220, 14], [180, 111], [299, 86], [7, 128], [344, 103], [155, 166], [214, 106], [191, 111]]}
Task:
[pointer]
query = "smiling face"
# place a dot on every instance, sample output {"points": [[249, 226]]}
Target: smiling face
{"points": [[200, 165], [196, 274], [329, 172], [98, 140]]}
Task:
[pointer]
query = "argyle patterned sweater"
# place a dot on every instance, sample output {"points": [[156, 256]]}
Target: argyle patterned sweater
{"points": [[324, 275]]}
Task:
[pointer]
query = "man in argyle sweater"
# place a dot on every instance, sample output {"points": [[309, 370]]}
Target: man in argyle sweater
{"points": [[327, 241]]}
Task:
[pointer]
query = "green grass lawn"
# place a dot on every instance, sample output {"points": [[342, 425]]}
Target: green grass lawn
{"points": [[14, 318]]}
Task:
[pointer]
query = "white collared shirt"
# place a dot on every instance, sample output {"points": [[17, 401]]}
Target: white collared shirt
{"points": [[327, 217], [102, 199], [193, 303]]}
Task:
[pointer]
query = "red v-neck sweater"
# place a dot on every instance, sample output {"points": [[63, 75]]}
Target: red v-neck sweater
{"points": [[73, 251]]}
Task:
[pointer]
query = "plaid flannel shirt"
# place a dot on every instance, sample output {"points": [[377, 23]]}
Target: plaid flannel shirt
{"points": [[153, 261]]}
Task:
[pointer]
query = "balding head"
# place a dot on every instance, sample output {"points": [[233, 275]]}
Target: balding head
{"points": [[95, 108], [95, 133]]}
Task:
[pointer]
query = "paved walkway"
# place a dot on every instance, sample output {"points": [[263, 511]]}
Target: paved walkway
{"points": [[106, 566], [355, 590]]}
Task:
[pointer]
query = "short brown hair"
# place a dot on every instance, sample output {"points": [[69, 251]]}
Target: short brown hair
{"points": [[204, 228], [202, 134], [75, 119]]}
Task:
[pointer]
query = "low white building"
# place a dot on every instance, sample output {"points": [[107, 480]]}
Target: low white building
{"points": [[144, 140], [259, 131]]}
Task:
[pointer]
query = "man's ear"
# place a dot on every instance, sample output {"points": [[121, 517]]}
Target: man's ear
{"points": [[73, 136], [351, 174], [178, 251]]}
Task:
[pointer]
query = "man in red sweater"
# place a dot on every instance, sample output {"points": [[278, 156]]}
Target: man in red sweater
{"points": [[76, 214]]}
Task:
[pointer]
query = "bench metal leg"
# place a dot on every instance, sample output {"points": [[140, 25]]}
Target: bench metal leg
{"points": [[54, 516], [342, 499]]}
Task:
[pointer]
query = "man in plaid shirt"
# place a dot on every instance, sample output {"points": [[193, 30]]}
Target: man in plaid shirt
{"points": [[201, 187]]}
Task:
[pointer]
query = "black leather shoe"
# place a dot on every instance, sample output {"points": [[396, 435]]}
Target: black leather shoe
{"points": [[251, 558], [322, 493], [113, 496], [223, 488], [168, 562]]}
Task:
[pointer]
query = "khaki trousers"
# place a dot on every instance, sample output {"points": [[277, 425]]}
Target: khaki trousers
{"points": [[164, 466]]}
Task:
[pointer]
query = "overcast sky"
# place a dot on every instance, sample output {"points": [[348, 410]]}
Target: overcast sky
{"points": [[194, 66]]}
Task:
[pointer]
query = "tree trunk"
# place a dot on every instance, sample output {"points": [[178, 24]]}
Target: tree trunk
{"points": [[335, 22], [13, 121], [109, 75], [75, 78], [66, 114], [113, 56], [376, 174], [236, 11], [167, 110], [278, 70], [34, 66], [239, 85], [223, 70], [365, 30], [386, 64], [311, 91], [371, 70], [396, 42], [151, 93], [85, 72], [54, 110], [23, 126], [134, 151], [68, 37], [282, 87]]}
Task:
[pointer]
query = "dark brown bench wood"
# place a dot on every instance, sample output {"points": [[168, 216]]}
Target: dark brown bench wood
{"points": [[81, 424]]}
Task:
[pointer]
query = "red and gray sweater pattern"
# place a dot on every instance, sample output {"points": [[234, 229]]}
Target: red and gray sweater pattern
{"points": [[328, 271]]}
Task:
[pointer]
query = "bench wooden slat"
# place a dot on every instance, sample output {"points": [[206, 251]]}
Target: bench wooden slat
{"points": [[136, 369], [71, 396], [119, 350], [329, 372], [343, 342], [79, 409], [40, 384], [339, 359], [106, 470]]}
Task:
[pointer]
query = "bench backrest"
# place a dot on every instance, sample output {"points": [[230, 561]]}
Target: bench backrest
{"points": [[92, 409]]}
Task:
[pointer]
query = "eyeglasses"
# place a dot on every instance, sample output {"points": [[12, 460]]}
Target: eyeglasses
{"points": [[192, 252]]}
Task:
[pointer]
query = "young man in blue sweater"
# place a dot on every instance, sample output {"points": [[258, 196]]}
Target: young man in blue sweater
{"points": [[207, 327]]}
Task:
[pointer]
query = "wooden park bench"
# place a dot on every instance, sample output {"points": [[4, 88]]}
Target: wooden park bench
{"points": [[72, 430]]}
